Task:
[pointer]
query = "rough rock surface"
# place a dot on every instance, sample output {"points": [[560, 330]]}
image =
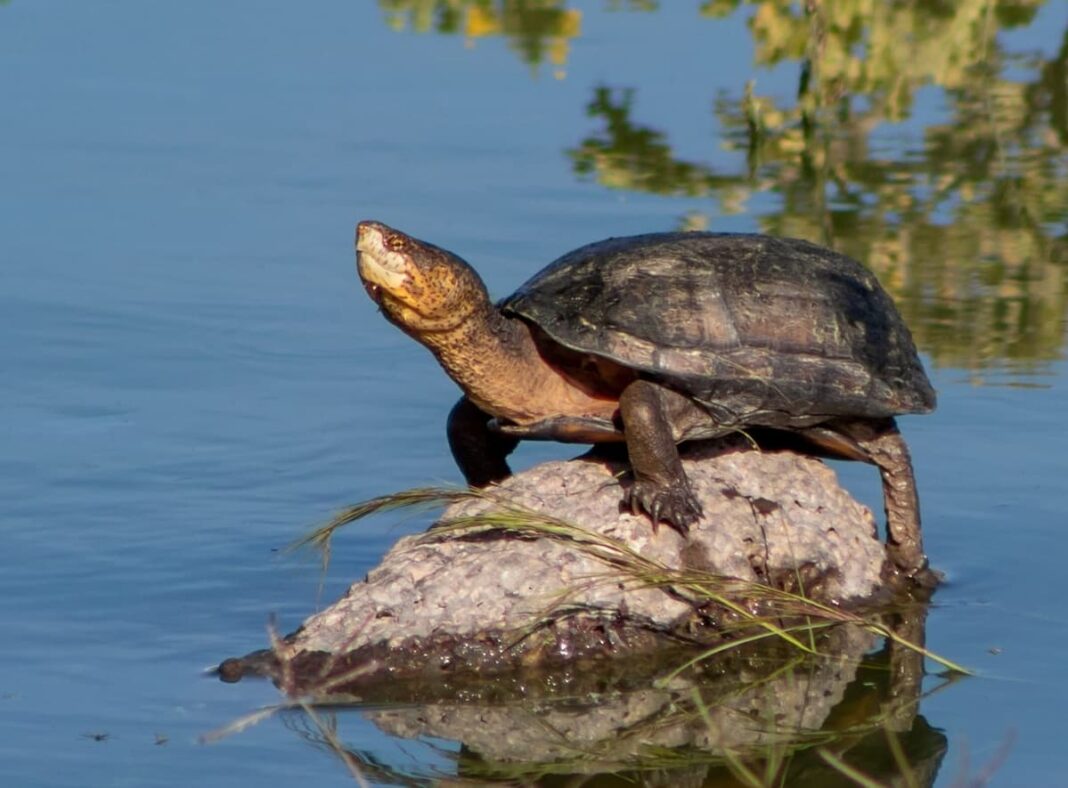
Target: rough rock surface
{"points": [[776, 518]]}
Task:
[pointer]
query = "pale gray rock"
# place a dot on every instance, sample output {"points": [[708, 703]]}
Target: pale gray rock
{"points": [[771, 517]]}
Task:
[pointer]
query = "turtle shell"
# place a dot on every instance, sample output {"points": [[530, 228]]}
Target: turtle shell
{"points": [[759, 329]]}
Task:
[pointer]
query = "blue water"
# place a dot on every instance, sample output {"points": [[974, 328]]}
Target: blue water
{"points": [[192, 375]]}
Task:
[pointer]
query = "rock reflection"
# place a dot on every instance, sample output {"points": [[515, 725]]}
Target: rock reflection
{"points": [[768, 710]]}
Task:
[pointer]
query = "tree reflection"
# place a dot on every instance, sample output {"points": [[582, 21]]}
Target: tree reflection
{"points": [[965, 226], [963, 221], [538, 30], [630, 156]]}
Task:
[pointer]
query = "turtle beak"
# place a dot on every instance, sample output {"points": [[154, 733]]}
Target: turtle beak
{"points": [[364, 232], [379, 267]]}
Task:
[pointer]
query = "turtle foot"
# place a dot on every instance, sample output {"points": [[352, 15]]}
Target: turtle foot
{"points": [[927, 579], [923, 577], [675, 505], [913, 571], [913, 564]]}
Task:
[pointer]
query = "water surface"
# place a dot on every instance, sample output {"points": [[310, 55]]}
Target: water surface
{"points": [[192, 375]]}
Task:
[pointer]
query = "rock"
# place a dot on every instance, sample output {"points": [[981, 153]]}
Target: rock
{"points": [[487, 600]]}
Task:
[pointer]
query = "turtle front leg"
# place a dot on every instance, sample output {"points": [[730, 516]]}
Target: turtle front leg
{"points": [[660, 486], [479, 451]]}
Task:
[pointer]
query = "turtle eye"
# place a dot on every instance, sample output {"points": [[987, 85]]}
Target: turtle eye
{"points": [[395, 243]]}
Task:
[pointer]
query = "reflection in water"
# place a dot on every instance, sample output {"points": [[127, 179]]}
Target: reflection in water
{"points": [[537, 30], [627, 155], [965, 225], [769, 710], [966, 230]]}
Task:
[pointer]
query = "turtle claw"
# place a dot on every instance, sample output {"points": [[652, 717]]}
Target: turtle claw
{"points": [[675, 505]]}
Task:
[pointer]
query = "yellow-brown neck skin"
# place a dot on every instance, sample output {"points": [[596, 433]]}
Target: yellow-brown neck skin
{"points": [[497, 364], [439, 300]]}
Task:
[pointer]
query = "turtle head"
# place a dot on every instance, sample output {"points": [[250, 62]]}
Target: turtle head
{"points": [[421, 288]]}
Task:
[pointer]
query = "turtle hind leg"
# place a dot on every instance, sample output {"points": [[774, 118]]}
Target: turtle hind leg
{"points": [[480, 452], [878, 441], [660, 486]]}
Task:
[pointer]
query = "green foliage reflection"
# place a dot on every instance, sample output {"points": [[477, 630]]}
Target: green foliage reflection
{"points": [[964, 226], [963, 220], [538, 30]]}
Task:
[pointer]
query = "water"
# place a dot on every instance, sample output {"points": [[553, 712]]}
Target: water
{"points": [[192, 375]]}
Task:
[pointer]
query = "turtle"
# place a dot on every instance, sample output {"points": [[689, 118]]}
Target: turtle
{"points": [[657, 339]]}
